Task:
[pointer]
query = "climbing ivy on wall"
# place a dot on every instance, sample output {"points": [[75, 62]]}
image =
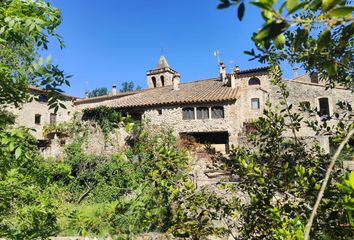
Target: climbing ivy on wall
{"points": [[108, 118]]}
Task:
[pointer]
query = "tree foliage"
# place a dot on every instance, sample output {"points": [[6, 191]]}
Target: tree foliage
{"points": [[98, 92], [25, 29], [129, 86], [316, 35], [282, 176]]}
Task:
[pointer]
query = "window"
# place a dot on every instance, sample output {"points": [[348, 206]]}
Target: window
{"points": [[42, 98], [37, 119], [162, 80], [159, 112], [255, 103], [254, 81], [188, 113], [53, 118], [217, 112], [324, 108], [153, 79], [202, 113]]}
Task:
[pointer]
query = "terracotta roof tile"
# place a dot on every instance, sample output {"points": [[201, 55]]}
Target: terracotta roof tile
{"points": [[210, 90]]}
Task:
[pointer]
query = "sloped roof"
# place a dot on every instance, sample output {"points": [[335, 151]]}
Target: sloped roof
{"points": [[254, 70], [40, 90], [162, 63], [203, 91]]}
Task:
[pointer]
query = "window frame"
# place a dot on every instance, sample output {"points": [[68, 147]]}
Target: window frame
{"points": [[328, 110], [38, 117], [254, 81], [258, 103], [217, 107], [53, 118], [184, 110], [202, 117]]}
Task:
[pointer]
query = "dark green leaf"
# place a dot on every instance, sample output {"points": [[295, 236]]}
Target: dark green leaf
{"points": [[241, 11], [271, 30], [324, 39]]}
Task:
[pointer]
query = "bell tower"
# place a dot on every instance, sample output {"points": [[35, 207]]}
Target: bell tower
{"points": [[162, 75]]}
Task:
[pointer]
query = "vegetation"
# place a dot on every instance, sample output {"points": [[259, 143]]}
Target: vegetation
{"points": [[129, 86], [28, 206], [26, 27], [146, 187], [283, 176], [98, 92]]}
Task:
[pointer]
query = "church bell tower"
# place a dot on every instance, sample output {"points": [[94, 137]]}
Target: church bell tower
{"points": [[162, 75]]}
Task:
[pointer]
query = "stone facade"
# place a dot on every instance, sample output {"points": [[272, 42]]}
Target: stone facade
{"points": [[242, 95], [35, 115]]}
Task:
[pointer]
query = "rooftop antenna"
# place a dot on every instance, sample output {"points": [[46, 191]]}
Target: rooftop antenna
{"points": [[217, 55], [87, 90]]}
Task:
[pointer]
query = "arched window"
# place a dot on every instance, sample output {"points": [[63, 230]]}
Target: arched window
{"points": [[217, 112], [153, 81], [162, 80], [324, 112], [188, 113], [254, 81]]}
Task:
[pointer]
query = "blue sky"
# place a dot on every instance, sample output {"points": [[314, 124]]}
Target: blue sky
{"points": [[112, 41]]}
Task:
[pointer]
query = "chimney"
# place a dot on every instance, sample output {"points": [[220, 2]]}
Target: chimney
{"points": [[114, 89], [296, 72], [176, 82], [222, 70], [233, 76]]}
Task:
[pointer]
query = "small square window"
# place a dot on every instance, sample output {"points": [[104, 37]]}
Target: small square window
{"points": [[37, 119], [53, 118], [159, 112], [255, 103]]}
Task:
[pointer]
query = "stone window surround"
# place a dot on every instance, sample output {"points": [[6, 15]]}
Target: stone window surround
{"points": [[254, 81], [209, 109], [330, 105], [37, 119], [258, 103]]}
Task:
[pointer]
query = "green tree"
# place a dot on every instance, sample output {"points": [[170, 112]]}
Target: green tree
{"points": [[129, 86], [25, 28], [282, 176], [28, 208], [98, 92]]}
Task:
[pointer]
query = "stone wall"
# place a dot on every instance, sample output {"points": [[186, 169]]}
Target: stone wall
{"points": [[171, 117], [25, 116]]}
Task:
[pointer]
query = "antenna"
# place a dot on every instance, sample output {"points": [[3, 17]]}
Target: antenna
{"points": [[87, 89], [217, 55]]}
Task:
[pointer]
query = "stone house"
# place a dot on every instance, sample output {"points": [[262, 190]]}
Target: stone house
{"points": [[35, 114], [217, 110]]}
